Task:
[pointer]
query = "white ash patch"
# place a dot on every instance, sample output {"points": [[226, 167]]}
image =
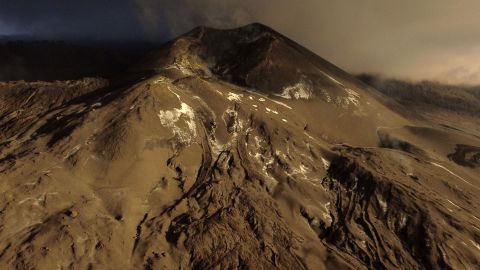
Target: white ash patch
{"points": [[452, 203], [452, 173], [173, 92], [279, 153], [38, 201], [402, 220], [238, 125], [217, 147], [281, 103], [72, 152], [234, 97], [332, 79], [304, 169], [263, 98], [170, 118], [266, 160], [284, 120], [270, 110], [328, 98], [301, 170], [160, 79], [352, 96], [475, 244], [326, 163], [383, 204], [326, 215], [301, 90]]}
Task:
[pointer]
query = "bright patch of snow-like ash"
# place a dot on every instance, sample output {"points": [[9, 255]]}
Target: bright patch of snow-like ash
{"points": [[332, 79], [300, 172], [452, 173], [301, 90], [326, 215], [281, 103], [234, 97], [234, 128], [160, 79], [264, 98], [270, 110], [383, 204], [328, 98], [326, 163], [402, 220], [170, 118], [265, 159], [353, 97], [72, 152], [475, 244]]}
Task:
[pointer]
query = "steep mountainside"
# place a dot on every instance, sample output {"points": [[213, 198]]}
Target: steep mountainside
{"points": [[231, 149]]}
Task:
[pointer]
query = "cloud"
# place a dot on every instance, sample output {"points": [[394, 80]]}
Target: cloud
{"points": [[88, 19], [6, 29], [183, 15]]}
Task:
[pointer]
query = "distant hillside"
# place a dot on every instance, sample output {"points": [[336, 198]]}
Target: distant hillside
{"points": [[475, 90], [54, 60], [427, 93]]}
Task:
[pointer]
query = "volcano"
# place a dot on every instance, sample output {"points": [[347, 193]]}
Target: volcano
{"points": [[232, 149]]}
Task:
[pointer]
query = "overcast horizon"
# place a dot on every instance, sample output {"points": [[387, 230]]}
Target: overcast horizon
{"points": [[434, 39]]}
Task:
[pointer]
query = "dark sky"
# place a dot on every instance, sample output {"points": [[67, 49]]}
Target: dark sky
{"points": [[92, 19], [415, 39]]}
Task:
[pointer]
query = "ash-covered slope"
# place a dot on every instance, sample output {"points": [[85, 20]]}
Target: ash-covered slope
{"points": [[233, 149]]}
